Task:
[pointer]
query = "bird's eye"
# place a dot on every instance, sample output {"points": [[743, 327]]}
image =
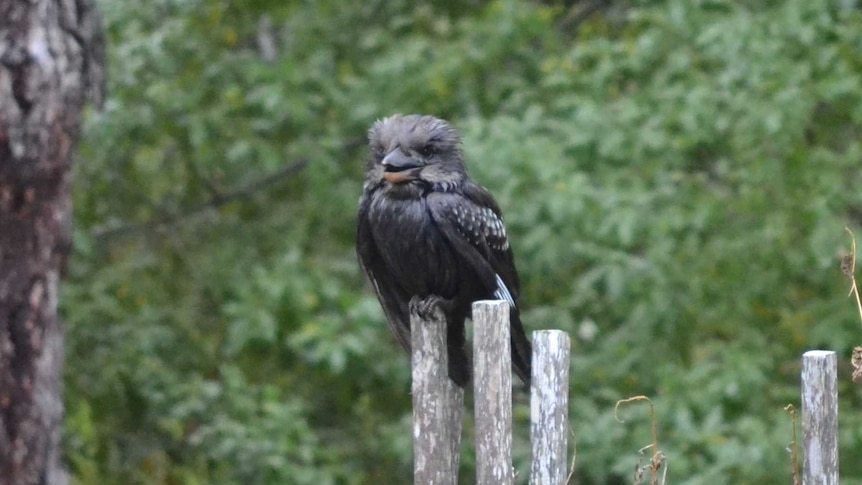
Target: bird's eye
{"points": [[427, 151]]}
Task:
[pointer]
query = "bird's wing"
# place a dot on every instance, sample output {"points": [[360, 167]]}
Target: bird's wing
{"points": [[394, 300], [472, 223]]}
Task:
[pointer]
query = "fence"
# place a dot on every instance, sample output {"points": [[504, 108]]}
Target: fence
{"points": [[438, 404]]}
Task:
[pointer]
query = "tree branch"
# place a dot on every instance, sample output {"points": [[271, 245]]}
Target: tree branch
{"points": [[103, 233], [580, 12]]}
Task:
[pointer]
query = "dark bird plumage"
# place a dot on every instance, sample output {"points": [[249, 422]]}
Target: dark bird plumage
{"points": [[426, 230]]}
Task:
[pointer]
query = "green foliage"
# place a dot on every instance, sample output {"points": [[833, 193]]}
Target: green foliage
{"points": [[675, 177]]}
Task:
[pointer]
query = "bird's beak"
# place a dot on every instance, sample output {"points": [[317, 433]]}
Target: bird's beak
{"points": [[400, 168]]}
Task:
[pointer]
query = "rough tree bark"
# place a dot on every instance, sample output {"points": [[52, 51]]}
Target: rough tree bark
{"points": [[51, 60]]}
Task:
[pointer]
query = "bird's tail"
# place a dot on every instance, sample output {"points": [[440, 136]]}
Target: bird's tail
{"points": [[522, 352]]}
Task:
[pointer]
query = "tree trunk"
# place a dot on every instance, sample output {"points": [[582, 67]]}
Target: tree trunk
{"points": [[51, 59]]}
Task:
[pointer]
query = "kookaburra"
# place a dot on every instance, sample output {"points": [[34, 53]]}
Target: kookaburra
{"points": [[426, 230]]}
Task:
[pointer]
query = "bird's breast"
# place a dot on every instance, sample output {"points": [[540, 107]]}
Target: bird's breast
{"points": [[414, 250]]}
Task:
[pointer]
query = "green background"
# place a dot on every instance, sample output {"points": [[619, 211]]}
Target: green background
{"points": [[675, 177]]}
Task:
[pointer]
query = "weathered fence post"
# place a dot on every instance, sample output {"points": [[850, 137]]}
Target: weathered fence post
{"points": [[492, 392], [437, 401], [549, 407], [820, 417]]}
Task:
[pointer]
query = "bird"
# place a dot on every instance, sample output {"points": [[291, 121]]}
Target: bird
{"points": [[425, 229]]}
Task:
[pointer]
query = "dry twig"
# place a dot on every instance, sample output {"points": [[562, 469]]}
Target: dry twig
{"points": [[658, 459], [848, 267], [574, 456], [793, 448]]}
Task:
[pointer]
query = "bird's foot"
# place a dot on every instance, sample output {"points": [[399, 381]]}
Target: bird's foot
{"points": [[426, 306]]}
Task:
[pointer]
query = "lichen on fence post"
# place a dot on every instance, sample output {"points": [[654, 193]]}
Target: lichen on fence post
{"points": [[549, 407], [492, 392], [437, 401], [820, 417]]}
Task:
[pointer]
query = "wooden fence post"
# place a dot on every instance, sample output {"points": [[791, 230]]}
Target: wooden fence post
{"points": [[437, 401], [492, 392], [549, 407], [820, 417]]}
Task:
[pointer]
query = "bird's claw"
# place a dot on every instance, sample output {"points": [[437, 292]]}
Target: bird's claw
{"points": [[426, 306]]}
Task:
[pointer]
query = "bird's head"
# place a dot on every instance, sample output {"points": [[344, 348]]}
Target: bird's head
{"points": [[411, 153]]}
